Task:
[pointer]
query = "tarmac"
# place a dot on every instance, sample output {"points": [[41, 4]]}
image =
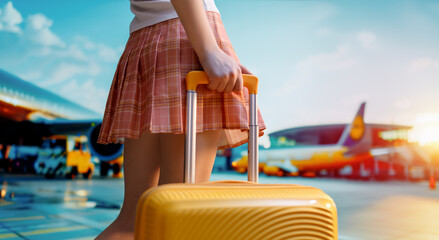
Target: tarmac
{"points": [[35, 208]]}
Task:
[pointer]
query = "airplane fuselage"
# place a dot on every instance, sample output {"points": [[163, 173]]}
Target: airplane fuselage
{"points": [[295, 160], [310, 158]]}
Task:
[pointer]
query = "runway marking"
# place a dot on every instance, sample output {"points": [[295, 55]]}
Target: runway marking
{"points": [[86, 238], [21, 218], [52, 230], [5, 203], [43, 231], [8, 235]]}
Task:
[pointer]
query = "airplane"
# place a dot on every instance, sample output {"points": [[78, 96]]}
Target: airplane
{"points": [[357, 149], [29, 114]]}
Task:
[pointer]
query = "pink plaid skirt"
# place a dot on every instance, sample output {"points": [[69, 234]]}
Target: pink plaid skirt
{"points": [[148, 92]]}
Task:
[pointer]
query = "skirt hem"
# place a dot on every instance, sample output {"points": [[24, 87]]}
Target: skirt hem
{"points": [[115, 139]]}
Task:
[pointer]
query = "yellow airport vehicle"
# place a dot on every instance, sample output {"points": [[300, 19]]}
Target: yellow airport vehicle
{"points": [[241, 165], [38, 113], [64, 155], [115, 165], [79, 157]]}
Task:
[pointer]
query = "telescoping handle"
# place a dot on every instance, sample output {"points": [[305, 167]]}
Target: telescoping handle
{"points": [[193, 79]]}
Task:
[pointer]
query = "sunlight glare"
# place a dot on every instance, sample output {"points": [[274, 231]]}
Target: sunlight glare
{"points": [[425, 129]]}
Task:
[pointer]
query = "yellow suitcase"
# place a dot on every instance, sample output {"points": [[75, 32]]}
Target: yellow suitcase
{"points": [[235, 210]]}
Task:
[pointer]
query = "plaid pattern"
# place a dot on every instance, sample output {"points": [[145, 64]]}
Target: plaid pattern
{"points": [[148, 92]]}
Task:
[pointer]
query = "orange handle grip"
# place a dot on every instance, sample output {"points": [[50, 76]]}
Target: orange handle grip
{"points": [[194, 78]]}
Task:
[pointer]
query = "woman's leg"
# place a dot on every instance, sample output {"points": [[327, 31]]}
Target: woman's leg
{"points": [[207, 146], [143, 158], [172, 156], [141, 171]]}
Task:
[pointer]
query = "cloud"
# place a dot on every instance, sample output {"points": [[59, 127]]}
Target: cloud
{"points": [[367, 39], [337, 60], [31, 75], [403, 103], [70, 52], [323, 11], [86, 94], [317, 67], [38, 30], [323, 32], [105, 52], [60, 65], [10, 19], [421, 64], [65, 71]]}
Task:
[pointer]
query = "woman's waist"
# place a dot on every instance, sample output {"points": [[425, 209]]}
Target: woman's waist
{"points": [[148, 13]]}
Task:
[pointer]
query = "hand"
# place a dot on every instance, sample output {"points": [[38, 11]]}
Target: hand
{"points": [[224, 72], [244, 70]]}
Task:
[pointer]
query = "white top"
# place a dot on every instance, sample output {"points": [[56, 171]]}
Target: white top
{"points": [[150, 12]]}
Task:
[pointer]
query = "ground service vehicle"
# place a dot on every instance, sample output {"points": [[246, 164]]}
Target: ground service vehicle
{"points": [[66, 156], [29, 114]]}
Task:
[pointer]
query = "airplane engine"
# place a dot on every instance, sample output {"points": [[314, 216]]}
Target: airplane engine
{"points": [[105, 152]]}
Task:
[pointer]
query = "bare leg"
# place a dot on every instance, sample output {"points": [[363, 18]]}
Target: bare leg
{"points": [[141, 171], [207, 146], [172, 156], [143, 158]]}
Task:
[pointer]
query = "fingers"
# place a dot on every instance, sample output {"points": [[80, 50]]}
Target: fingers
{"points": [[213, 83], [245, 70], [224, 72], [234, 83], [227, 83], [239, 83]]}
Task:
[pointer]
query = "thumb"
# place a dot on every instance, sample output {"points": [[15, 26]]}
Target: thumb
{"points": [[244, 70]]}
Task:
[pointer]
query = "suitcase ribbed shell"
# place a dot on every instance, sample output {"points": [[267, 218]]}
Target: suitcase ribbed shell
{"points": [[236, 210]]}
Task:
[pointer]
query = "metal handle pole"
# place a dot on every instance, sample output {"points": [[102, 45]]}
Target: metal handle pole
{"points": [[191, 137], [198, 77], [253, 150]]}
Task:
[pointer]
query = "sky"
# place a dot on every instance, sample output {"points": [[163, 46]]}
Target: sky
{"points": [[316, 60]]}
